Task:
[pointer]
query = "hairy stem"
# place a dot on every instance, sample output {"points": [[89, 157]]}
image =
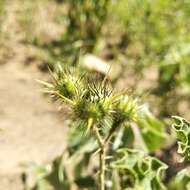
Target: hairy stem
{"points": [[102, 143], [102, 158]]}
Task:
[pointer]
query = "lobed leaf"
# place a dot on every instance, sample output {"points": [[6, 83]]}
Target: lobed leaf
{"points": [[138, 171], [182, 129]]}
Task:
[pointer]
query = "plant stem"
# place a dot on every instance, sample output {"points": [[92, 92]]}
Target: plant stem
{"points": [[110, 135], [102, 143], [102, 158]]}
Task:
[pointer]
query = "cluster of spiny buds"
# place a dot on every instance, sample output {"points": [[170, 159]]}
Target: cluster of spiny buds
{"points": [[94, 103]]}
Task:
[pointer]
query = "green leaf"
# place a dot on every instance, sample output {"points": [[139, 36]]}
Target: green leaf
{"points": [[138, 171], [153, 131], [181, 181], [182, 129]]}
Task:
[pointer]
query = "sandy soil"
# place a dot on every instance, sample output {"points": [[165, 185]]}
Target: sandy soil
{"points": [[31, 128]]}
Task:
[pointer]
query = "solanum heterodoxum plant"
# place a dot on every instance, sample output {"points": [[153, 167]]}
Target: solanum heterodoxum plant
{"points": [[103, 113], [96, 106]]}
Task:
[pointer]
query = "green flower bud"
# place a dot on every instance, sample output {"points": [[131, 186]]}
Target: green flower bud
{"points": [[67, 87], [125, 110], [85, 109]]}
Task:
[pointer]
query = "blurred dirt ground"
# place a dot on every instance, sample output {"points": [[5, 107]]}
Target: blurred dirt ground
{"points": [[31, 129]]}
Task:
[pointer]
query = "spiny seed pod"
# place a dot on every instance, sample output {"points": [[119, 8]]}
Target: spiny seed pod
{"points": [[67, 84], [125, 110], [94, 102], [85, 109]]}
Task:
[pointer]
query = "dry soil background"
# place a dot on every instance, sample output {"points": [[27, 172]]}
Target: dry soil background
{"points": [[30, 127]]}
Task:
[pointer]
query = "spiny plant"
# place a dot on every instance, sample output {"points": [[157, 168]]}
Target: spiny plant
{"points": [[96, 106], [102, 114]]}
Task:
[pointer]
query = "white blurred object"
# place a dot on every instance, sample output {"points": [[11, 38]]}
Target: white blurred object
{"points": [[94, 63]]}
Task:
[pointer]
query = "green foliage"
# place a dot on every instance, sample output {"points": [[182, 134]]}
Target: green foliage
{"points": [[147, 133], [181, 181], [153, 132], [84, 20], [137, 171], [157, 33], [129, 169], [147, 24], [182, 128], [70, 169]]}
